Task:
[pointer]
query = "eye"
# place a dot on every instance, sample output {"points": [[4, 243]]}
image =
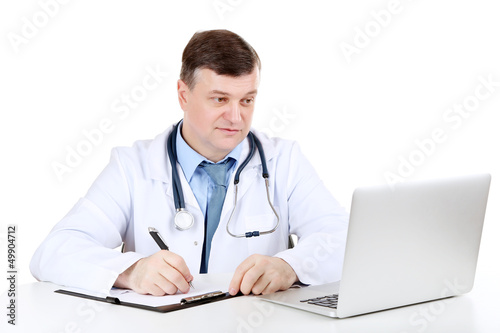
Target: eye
{"points": [[219, 99], [248, 101]]}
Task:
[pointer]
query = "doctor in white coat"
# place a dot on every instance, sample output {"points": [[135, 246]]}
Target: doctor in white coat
{"points": [[217, 91]]}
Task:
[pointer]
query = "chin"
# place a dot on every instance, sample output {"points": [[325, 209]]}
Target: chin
{"points": [[228, 144]]}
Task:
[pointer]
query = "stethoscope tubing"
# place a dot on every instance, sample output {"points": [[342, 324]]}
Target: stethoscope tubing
{"points": [[179, 196]]}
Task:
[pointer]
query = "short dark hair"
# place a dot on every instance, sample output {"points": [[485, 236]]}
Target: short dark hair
{"points": [[222, 51]]}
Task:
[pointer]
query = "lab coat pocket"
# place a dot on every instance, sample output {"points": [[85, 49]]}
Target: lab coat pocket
{"points": [[269, 244]]}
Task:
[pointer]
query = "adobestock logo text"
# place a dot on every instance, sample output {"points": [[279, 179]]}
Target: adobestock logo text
{"points": [[121, 108], [32, 25], [453, 118], [363, 36]]}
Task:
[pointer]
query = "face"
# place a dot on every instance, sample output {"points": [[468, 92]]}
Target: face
{"points": [[217, 111]]}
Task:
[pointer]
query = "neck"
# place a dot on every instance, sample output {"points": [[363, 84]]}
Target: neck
{"points": [[212, 156]]}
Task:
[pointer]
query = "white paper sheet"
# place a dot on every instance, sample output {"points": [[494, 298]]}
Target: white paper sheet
{"points": [[203, 283]]}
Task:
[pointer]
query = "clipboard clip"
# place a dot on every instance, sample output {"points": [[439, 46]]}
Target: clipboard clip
{"points": [[203, 297], [113, 300]]}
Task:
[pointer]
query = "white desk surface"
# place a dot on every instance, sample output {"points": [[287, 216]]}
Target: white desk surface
{"points": [[39, 309]]}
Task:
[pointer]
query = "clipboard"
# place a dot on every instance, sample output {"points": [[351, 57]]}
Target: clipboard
{"points": [[185, 303]]}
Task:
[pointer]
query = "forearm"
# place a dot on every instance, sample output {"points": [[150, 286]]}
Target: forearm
{"points": [[67, 258]]}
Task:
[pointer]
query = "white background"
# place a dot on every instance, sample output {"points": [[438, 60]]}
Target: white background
{"points": [[354, 116]]}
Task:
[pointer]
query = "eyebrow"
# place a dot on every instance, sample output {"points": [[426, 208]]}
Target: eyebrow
{"points": [[219, 92]]}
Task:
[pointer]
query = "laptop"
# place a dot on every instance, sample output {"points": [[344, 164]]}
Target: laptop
{"points": [[415, 242]]}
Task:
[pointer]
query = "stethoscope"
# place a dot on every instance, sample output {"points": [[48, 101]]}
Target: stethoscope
{"points": [[183, 219]]}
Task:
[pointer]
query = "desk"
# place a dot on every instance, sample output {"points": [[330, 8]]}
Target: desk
{"points": [[41, 310]]}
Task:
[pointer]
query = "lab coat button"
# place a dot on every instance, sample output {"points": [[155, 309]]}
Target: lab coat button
{"points": [[195, 243]]}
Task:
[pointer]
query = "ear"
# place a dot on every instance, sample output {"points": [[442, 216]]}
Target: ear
{"points": [[182, 93]]}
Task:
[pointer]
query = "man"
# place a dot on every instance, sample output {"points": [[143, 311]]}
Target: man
{"points": [[217, 90]]}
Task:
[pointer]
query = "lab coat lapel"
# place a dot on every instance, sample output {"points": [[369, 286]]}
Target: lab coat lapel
{"points": [[160, 169], [189, 198]]}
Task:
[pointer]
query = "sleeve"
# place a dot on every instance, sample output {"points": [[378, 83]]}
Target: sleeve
{"points": [[80, 249], [318, 220]]}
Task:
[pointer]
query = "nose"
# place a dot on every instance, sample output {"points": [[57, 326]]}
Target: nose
{"points": [[233, 113]]}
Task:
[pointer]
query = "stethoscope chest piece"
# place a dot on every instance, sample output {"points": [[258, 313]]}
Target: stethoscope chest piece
{"points": [[184, 220]]}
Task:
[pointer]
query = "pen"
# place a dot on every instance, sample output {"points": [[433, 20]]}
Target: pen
{"points": [[161, 243]]}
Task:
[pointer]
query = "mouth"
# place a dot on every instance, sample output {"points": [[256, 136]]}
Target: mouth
{"points": [[229, 131]]}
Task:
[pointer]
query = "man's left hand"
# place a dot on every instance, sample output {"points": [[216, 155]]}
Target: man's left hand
{"points": [[260, 274]]}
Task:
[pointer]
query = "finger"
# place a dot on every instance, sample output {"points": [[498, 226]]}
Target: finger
{"points": [[154, 290], [175, 270], [175, 279], [157, 275], [250, 278], [261, 284], [178, 263], [167, 287], [234, 285], [272, 287], [153, 284]]}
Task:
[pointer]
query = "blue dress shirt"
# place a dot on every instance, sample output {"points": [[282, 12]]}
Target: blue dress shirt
{"points": [[200, 182]]}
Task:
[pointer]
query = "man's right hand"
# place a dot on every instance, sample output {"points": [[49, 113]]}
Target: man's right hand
{"points": [[159, 274]]}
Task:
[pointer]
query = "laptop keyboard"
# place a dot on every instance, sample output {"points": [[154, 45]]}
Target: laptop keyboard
{"points": [[329, 301]]}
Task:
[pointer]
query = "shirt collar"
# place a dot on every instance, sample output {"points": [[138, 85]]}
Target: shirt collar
{"points": [[189, 159]]}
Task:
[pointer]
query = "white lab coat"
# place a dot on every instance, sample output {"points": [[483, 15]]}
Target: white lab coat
{"points": [[134, 192]]}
